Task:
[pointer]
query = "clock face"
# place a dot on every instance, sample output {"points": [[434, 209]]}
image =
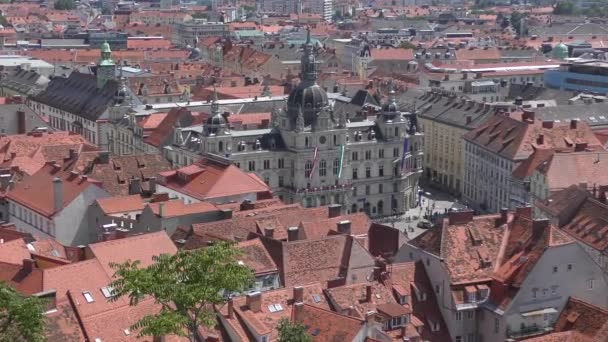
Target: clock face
{"points": [[322, 140]]}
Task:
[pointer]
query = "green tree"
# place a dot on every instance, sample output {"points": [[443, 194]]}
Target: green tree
{"points": [[564, 7], [289, 332], [407, 45], [21, 318], [186, 285], [200, 15], [64, 4], [516, 18]]}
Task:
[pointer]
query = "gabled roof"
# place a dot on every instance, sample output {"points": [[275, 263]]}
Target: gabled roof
{"points": [[121, 204], [41, 200], [177, 207], [212, 180], [139, 247], [352, 299], [255, 256], [78, 94], [327, 326]]}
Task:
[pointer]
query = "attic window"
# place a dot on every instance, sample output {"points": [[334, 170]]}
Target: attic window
{"points": [[316, 298], [315, 332], [127, 332], [275, 308], [107, 291], [88, 296]]}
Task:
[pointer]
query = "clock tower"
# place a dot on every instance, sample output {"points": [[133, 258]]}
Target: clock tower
{"points": [[106, 69]]}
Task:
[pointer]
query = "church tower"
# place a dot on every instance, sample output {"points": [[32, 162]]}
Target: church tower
{"points": [[106, 69]]}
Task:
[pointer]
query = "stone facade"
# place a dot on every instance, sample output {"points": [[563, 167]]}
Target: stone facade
{"points": [[314, 156]]}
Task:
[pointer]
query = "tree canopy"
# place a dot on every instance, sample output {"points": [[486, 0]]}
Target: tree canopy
{"points": [[186, 286], [64, 4], [292, 332], [21, 318]]}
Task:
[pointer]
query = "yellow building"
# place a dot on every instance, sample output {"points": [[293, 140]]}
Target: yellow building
{"points": [[444, 119]]}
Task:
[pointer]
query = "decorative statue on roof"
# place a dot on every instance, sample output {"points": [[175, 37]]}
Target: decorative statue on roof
{"points": [[300, 121], [274, 117], [342, 119], [186, 94]]}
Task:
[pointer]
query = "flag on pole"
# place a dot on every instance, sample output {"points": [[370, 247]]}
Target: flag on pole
{"points": [[405, 143], [314, 162], [341, 161]]}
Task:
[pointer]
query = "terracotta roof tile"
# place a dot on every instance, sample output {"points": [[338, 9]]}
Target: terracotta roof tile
{"points": [[42, 201], [121, 204], [478, 54], [392, 54], [13, 252], [328, 326], [213, 181], [348, 298], [140, 247], [256, 257], [177, 207], [581, 317]]}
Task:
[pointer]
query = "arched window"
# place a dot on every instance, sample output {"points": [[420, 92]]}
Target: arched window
{"points": [[307, 168], [322, 168], [336, 166]]}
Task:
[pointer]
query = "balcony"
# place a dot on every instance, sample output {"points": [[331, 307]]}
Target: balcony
{"points": [[319, 189], [527, 332]]}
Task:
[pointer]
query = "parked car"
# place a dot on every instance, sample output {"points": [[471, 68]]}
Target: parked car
{"points": [[424, 224]]}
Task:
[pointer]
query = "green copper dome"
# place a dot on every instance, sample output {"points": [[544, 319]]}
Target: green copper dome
{"points": [[560, 51]]}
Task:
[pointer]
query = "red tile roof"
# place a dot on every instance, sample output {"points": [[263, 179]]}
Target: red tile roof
{"points": [[213, 180], [13, 252], [516, 139], [121, 204], [42, 202], [328, 326], [588, 224], [392, 54], [582, 317], [140, 247], [265, 321], [144, 44], [352, 299], [478, 54], [255, 256], [177, 207]]}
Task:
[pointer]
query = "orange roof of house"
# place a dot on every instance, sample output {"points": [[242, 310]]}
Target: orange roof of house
{"points": [[143, 44], [179, 208], [121, 204], [213, 181], [36, 191], [392, 54]]}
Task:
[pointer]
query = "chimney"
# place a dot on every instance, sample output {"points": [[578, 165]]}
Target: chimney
{"points": [[230, 308], [254, 301], [135, 186], [21, 122], [540, 140], [161, 206], [246, 205], [525, 211], [519, 101], [298, 294], [548, 124], [528, 115], [103, 157], [344, 227], [72, 154], [292, 233], [226, 213], [370, 318], [469, 119], [504, 214], [269, 232], [57, 194], [334, 210], [539, 225], [460, 217], [152, 185], [298, 309], [368, 293], [29, 265], [573, 123]]}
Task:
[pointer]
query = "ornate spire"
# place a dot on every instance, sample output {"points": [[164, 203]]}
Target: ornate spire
{"points": [[215, 106], [309, 64]]}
